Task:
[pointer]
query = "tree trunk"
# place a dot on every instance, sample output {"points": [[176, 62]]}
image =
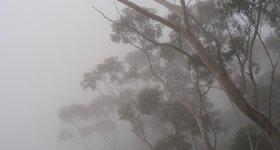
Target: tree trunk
{"points": [[201, 126], [219, 73], [274, 139], [203, 132], [232, 91]]}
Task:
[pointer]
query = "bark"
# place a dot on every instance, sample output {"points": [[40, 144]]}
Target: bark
{"points": [[201, 125], [236, 97], [219, 73]]}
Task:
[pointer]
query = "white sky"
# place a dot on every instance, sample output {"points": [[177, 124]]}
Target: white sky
{"points": [[45, 47]]}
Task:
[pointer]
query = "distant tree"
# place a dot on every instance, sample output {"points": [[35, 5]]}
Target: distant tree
{"points": [[75, 116], [81, 121], [141, 96]]}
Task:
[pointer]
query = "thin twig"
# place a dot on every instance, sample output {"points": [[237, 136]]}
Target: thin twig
{"points": [[153, 41]]}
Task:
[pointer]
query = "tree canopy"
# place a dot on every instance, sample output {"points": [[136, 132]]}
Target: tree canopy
{"points": [[162, 89]]}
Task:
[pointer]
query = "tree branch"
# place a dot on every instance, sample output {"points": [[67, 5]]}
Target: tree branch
{"points": [[151, 15], [273, 67], [175, 48], [185, 18], [200, 97], [251, 75], [228, 86]]}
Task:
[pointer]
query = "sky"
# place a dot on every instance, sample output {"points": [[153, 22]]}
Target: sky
{"points": [[45, 47]]}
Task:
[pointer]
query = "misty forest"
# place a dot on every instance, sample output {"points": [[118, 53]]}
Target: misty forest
{"points": [[162, 95], [192, 75]]}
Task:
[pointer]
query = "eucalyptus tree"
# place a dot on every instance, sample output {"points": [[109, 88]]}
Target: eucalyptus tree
{"points": [[229, 59], [81, 122], [143, 33], [136, 85]]}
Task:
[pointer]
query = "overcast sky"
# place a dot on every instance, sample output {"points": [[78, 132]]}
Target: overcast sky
{"points": [[46, 46]]}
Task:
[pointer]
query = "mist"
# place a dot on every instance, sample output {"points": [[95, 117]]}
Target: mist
{"points": [[46, 46], [71, 79]]}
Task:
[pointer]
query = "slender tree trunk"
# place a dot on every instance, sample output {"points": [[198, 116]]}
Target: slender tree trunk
{"points": [[203, 132], [201, 126], [274, 138], [218, 72]]}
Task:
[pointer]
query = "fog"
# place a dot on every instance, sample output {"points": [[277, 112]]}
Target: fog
{"points": [[46, 48]]}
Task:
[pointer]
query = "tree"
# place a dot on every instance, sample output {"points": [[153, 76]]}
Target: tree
{"points": [[133, 100], [251, 138], [81, 121], [74, 116], [127, 30], [250, 13]]}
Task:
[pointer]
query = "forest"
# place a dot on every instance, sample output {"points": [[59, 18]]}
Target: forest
{"points": [[201, 75]]}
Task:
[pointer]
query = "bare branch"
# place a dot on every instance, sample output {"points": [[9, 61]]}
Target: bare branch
{"points": [[202, 105], [117, 8], [251, 75], [184, 8], [172, 7], [273, 67], [151, 15]]}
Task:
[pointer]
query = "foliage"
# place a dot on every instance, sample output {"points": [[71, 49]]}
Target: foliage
{"points": [[148, 100], [81, 121], [143, 24], [168, 82], [73, 113], [173, 142]]}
